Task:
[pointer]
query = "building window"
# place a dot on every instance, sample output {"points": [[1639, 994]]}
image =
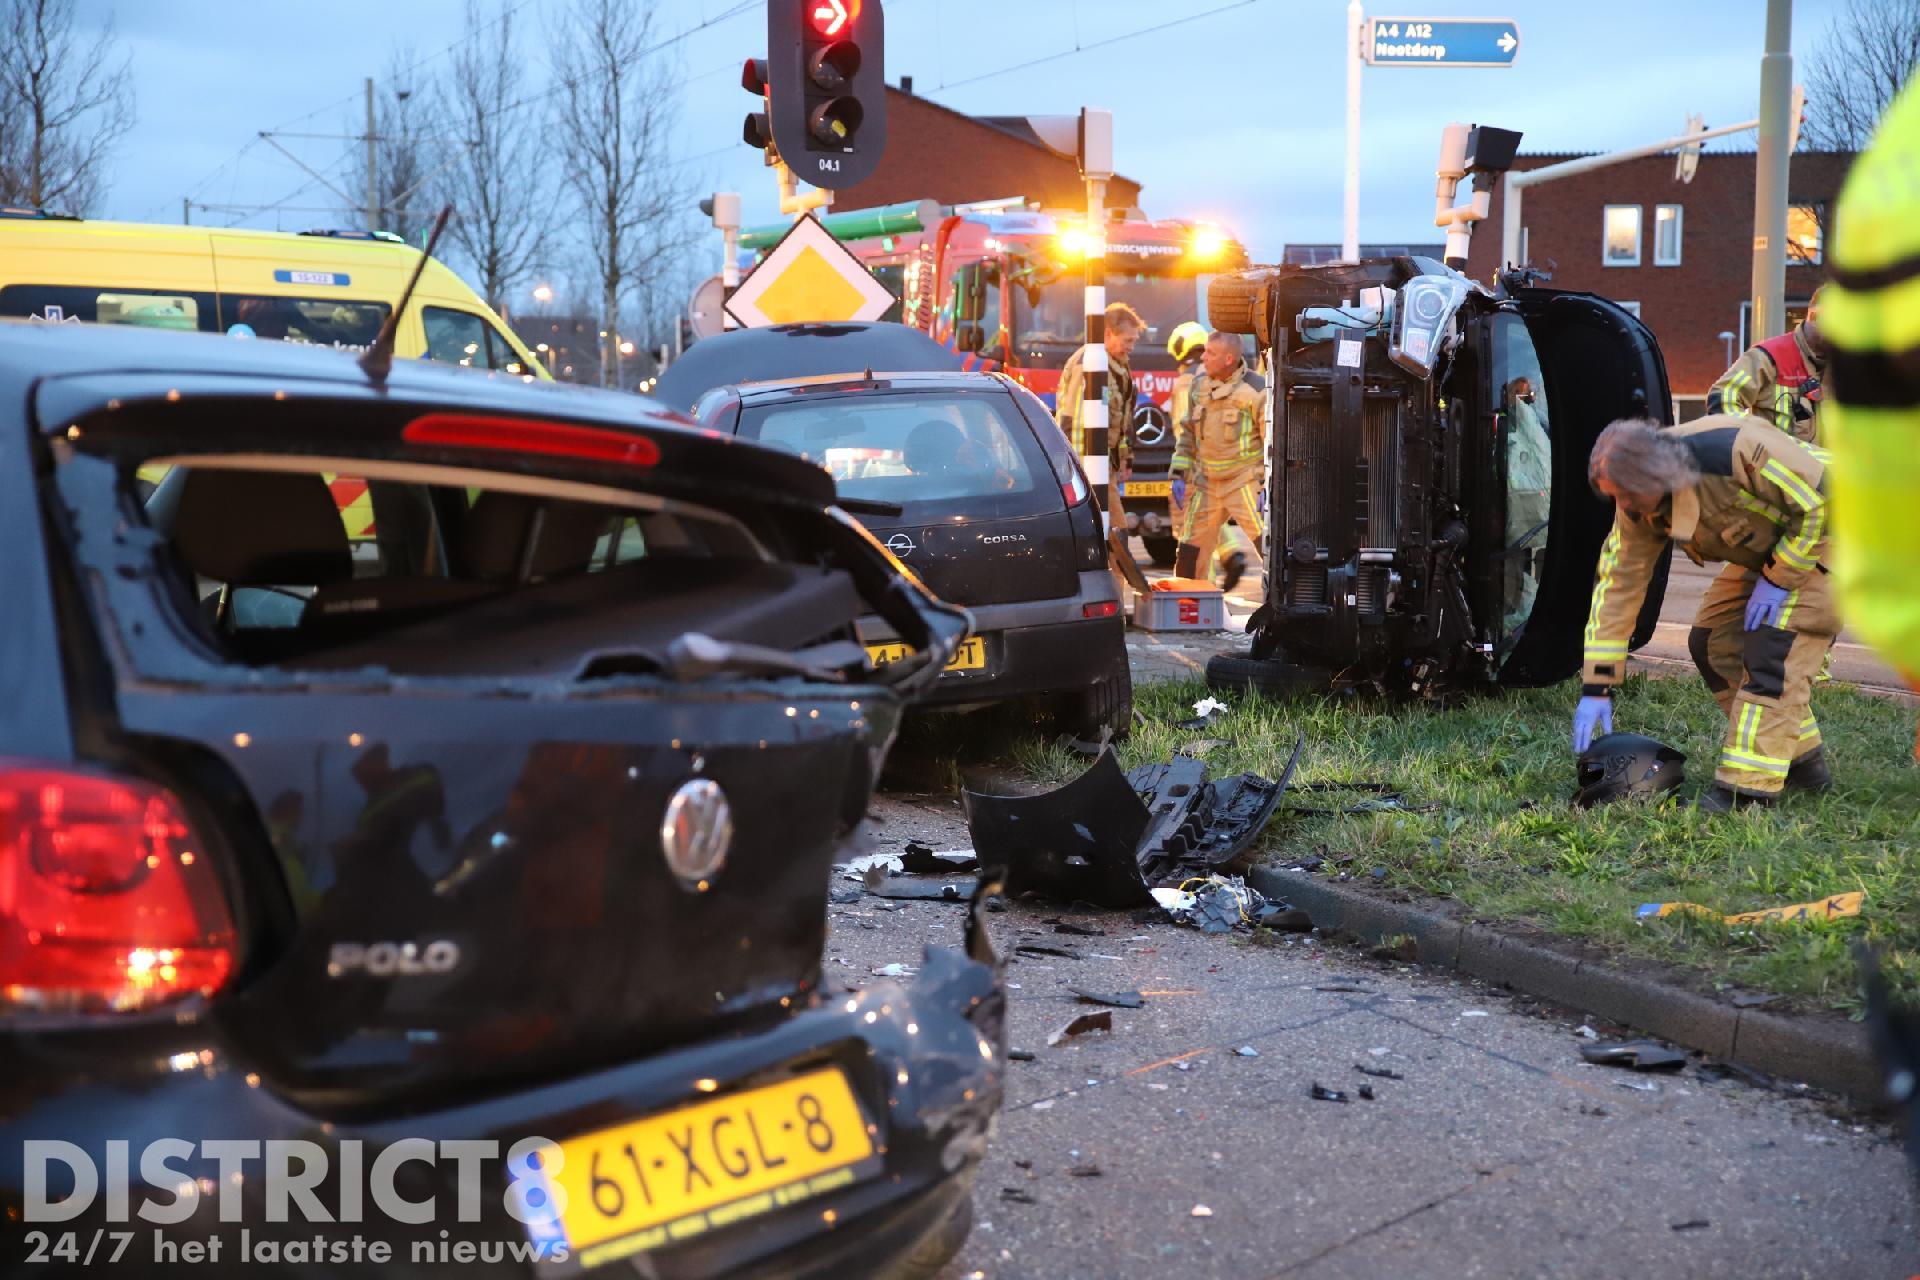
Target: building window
{"points": [[1666, 235], [1804, 238], [1631, 308], [1620, 243]]}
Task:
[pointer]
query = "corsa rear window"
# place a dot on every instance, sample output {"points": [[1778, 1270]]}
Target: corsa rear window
{"points": [[932, 453]]}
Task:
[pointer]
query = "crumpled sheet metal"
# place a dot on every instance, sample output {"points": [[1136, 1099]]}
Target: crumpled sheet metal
{"points": [[1074, 842]]}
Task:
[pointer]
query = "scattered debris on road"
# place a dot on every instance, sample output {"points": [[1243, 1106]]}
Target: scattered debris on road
{"points": [[1084, 1171], [1036, 949], [1114, 1000], [1020, 1055], [895, 971], [1201, 1211], [1078, 930], [1100, 1021], [1017, 1195], [1691, 1224], [1380, 1073], [1640, 1055], [922, 859], [1320, 1093], [1246, 1051], [1366, 1092]]}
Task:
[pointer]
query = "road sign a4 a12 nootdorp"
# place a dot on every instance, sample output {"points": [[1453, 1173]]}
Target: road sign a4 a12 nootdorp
{"points": [[1441, 42]]}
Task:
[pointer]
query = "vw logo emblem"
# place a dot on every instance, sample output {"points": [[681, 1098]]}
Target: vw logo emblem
{"points": [[901, 545], [695, 832], [1149, 424]]}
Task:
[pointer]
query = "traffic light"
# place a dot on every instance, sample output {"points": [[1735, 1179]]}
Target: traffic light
{"points": [[828, 93], [758, 129]]}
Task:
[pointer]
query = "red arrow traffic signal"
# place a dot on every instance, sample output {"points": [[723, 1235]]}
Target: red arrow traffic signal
{"points": [[830, 17]]}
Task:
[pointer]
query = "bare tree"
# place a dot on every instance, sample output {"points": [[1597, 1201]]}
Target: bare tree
{"points": [[404, 150], [613, 119], [64, 103], [494, 180], [1869, 50]]}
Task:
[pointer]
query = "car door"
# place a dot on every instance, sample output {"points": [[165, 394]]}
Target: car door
{"points": [[1599, 363]]}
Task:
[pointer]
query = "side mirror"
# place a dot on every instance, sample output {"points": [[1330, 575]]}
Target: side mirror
{"points": [[969, 338], [970, 294]]}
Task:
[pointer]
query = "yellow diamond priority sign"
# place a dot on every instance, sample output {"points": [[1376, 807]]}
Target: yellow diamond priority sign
{"points": [[809, 276]]}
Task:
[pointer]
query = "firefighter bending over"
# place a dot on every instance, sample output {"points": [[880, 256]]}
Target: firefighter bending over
{"points": [[1778, 380], [1735, 490], [1220, 452]]}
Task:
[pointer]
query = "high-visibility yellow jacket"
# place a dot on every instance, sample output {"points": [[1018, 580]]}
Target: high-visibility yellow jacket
{"points": [[1759, 503], [1122, 398], [1223, 429], [1871, 316]]}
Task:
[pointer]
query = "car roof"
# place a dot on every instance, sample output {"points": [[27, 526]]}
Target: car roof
{"points": [[91, 362], [803, 388], [785, 351]]}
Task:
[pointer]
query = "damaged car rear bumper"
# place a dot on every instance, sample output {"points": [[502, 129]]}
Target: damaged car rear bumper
{"points": [[923, 1059]]}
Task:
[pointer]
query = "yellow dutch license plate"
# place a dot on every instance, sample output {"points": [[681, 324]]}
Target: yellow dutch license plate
{"points": [[1149, 489], [970, 656], [701, 1168]]}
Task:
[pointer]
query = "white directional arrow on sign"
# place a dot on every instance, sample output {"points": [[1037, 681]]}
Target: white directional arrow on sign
{"points": [[1506, 42]]}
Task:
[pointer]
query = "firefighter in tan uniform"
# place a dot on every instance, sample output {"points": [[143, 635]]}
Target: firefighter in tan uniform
{"points": [[1220, 451], [1779, 380], [1738, 491]]}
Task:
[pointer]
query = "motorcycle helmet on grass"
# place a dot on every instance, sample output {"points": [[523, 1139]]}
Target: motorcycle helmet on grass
{"points": [[1627, 765]]}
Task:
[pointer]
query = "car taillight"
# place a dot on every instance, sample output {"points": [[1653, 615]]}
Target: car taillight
{"points": [[107, 901], [1074, 487], [1104, 609]]}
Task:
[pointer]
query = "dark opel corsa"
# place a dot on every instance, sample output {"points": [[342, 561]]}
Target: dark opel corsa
{"points": [[427, 797], [968, 481]]}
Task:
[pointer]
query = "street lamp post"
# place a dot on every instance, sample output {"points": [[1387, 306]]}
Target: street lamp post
{"points": [[1726, 337]]}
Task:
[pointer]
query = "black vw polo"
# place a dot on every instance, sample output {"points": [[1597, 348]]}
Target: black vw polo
{"points": [[462, 872]]}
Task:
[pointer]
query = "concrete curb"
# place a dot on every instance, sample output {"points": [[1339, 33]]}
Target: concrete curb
{"points": [[1825, 1051]]}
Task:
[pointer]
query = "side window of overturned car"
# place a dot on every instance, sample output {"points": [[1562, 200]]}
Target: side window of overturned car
{"points": [[1526, 457]]}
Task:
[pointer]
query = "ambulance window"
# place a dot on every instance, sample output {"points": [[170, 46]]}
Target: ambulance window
{"points": [[460, 337], [317, 322], [144, 308]]}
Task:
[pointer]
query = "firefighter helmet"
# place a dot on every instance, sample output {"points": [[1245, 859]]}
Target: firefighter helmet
{"points": [[1188, 337], [1627, 764]]}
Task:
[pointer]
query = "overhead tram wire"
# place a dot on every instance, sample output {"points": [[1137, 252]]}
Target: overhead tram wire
{"points": [[1098, 44]]}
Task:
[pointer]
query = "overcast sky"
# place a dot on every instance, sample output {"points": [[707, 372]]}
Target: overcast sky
{"points": [[1228, 111]]}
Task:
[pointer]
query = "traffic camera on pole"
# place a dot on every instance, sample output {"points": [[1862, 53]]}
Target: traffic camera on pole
{"points": [[827, 94]]}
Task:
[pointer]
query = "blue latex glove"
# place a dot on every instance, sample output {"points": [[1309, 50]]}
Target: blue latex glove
{"points": [[1765, 604], [1180, 490], [1591, 714]]}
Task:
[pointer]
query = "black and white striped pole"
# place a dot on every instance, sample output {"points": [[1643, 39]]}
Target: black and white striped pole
{"points": [[1096, 166]]}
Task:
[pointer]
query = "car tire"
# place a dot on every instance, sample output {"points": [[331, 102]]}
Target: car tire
{"points": [[1103, 704], [1243, 673], [940, 1245], [1161, 549], [1234, 301]]}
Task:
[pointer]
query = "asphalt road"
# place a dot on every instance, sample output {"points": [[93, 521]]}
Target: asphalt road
{"points": [[1501, 1153]]}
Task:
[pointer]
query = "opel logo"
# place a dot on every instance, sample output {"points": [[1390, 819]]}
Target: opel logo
{"points": [[695, 832], [900, 544]]}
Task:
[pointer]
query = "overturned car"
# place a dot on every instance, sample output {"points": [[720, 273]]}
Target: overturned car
{"points": [[1430, 522]]}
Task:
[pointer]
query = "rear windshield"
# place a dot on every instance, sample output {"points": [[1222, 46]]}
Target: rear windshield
{"points": [[932, 454], [327, 569]]}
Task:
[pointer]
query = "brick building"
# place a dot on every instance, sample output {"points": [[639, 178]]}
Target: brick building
{"points": [[1681, 254], [935, 153]]}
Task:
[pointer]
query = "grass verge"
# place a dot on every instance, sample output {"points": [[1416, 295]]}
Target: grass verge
{"points": [[1506, 842]]}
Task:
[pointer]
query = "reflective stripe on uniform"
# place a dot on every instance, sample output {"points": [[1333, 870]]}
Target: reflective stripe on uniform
{"points": [[1799, 550], [1597, 649]]}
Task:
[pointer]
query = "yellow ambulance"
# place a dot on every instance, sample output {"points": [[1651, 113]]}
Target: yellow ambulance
{"points": [[328, 288]]}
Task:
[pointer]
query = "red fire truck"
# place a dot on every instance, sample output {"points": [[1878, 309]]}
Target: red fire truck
{"points": [[1007, 287]]}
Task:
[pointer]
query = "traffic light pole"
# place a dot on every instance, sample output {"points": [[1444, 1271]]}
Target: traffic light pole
{"points": [[1770, 175]]}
